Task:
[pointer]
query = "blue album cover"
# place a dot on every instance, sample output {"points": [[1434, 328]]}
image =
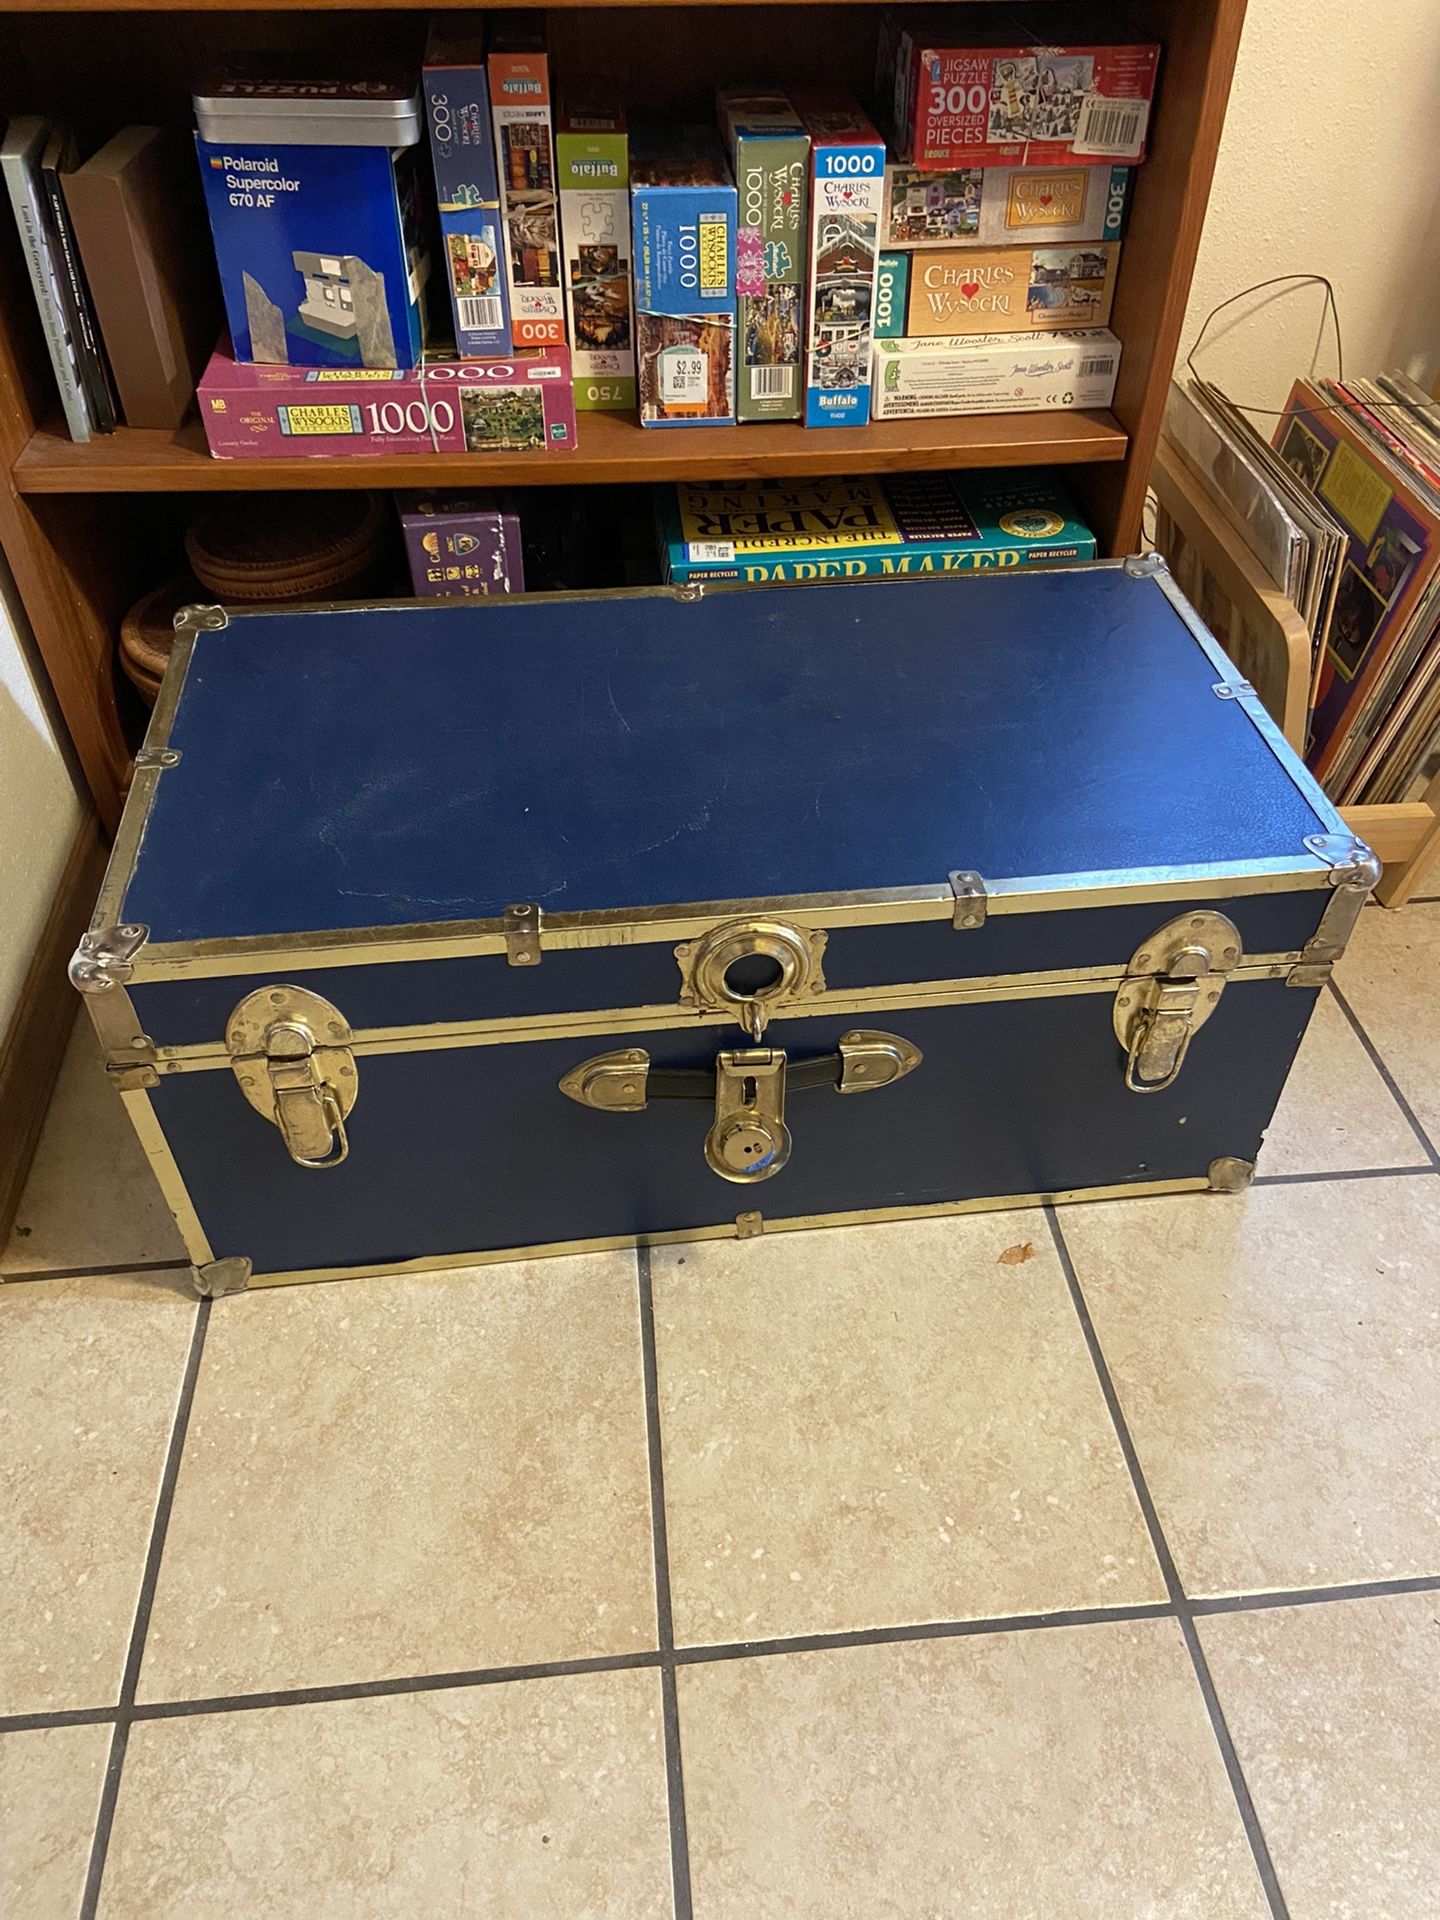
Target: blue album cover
{"points": [[321, 252]]}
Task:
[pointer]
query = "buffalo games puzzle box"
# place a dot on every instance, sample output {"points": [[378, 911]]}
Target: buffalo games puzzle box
{"points": [[592, 157], [847, 193], [519, 71]]}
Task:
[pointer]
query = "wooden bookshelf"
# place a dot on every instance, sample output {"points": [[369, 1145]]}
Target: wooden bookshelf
{"points": [[88, 528], [613, 449]]}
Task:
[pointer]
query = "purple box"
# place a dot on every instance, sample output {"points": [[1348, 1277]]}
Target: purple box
{"points": [[462, 543], [523, 404]]}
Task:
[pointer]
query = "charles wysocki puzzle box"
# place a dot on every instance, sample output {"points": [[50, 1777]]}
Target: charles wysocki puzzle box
{"points": [[770, 155], [683, 211], [997, 290], [995, 373], [467, 191], [313, 195], [956, 101], [592, 157], [847, 191], [462, 545], [1003, 206], [517, 405], [519, 70]]}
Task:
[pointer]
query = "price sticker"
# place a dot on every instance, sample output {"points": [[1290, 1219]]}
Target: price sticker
{"points": [[684, 377]]}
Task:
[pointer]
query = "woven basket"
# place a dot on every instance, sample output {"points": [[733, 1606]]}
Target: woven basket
{"points": [[287, 546], [147, 634]]}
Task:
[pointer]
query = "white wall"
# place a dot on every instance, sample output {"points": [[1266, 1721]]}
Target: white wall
{"points": [[40, 811], [1330, 163]]}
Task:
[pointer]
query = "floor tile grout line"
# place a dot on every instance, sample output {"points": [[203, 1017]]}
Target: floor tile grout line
{"points": [[27, 1275], [1341, 1173], [115, 1765], [1239, 1786], [839, 1641], [1357, 1028], [1222, 1603], [664, 1610]]}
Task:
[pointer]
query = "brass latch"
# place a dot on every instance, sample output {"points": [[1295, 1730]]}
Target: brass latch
{"points": [[748, 1138], [1171, 987], [291, 1053]]}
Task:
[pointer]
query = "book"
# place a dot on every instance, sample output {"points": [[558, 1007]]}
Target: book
{"points": [[467, 188], [61, 157], [21, 156], [1389, 570], [843, 529], [139, 219]]}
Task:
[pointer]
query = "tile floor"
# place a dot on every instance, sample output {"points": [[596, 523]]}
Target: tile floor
{"points": [[850, 1576]]}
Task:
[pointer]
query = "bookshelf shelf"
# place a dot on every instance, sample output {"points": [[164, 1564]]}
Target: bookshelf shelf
{"points": [[613, 449], [88, 529]]}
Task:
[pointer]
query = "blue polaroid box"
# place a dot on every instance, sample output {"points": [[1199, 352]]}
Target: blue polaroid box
{"points": [[683, 213], [313, 195], [467, 188]]}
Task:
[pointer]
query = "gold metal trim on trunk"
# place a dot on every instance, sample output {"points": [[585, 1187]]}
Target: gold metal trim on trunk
{"points": [[729, 1230], [440, 940], [172, 1185], [670, 1016]]}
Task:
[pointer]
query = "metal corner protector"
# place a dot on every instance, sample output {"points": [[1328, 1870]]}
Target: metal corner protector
{"points": [[196, 618], [1355, 871]]}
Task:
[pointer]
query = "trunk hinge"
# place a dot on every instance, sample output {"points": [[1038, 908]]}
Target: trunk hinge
{"points": [[522, 935], [1171, 987], [1354, 872], [971, 899], [291, 1053]]}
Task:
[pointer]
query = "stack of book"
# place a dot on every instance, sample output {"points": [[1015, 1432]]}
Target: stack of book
{"points": [[1370, 451]]}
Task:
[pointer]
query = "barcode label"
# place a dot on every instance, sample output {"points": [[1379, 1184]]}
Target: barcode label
{"points": [[684, 377], [702, 551], [772, 383], [1115, 128], [1098, 366], [479, 314]]}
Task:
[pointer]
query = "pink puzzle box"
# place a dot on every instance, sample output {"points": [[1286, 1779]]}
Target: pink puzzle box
{"points": [[522, 404]]}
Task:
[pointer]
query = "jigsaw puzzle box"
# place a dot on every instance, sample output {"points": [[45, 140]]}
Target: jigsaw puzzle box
{"points": [[519, 405]]}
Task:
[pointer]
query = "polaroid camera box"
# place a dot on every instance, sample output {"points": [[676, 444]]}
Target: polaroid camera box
{"points": [[682, 208], [770, 153], [592, 156], [318, 234], [847, 195], [519, 69], [467, 193]]}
